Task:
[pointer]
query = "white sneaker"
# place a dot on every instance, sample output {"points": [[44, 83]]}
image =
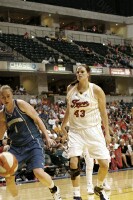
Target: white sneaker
{"points": [[56, 195], [106, 186], [90, 189]]}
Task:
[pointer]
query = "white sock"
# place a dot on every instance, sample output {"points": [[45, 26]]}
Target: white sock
{"points": [[76, 191], [89, 177]]}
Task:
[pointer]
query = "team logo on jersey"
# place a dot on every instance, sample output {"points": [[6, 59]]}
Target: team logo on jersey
{"points": [[78, 104]]}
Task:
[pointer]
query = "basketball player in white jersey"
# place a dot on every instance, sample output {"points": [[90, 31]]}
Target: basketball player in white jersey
{"points": [[86, 108]]}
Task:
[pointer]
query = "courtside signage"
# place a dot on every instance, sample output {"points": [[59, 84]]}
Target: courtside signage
{"points": [[59, 68], [55, 68], [18, 66], [120, 71], [96, 70]]}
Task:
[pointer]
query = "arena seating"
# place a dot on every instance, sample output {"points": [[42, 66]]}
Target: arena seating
{"points": [[37, 50], [71, 50], [28, 47]]}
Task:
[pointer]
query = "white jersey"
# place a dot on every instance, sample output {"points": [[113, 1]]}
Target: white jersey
{"points": [[83, 108]]}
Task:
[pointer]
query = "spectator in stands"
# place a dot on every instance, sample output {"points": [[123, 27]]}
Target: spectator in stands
{"points": [[124, 151], [106, 64], [94, 29], [81, 48], [60, 60], [51, 59], [38, 100], [51, 121], [22, 90], [57, 128], [43, 114], [26, 35], [45, 61], [48, 160], [129, 152], [60, 102], [17, 91], [33, 101], [113, 143]]}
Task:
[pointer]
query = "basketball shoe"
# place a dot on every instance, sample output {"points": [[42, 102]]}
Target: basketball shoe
{"points": [[77, 198], [56, 195], [101, 193], [106, 186]]}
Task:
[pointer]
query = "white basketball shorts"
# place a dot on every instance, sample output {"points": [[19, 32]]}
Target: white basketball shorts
{"points": [[91, 138]]}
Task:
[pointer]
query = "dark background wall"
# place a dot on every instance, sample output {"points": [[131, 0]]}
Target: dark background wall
{"points": [[117, 7]]}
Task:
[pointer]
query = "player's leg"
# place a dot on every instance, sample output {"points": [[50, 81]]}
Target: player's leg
{"points": [[46, 180], [102, 173], [106, 186], [36, 163], [98, 150], [89, 170], [12, 187], [75, 177], [10, 181], [75, 150]]}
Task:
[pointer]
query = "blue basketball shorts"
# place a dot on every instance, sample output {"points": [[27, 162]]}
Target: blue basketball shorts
{"points": [[31, 154]]}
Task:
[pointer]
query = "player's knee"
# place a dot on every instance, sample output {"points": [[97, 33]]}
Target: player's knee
{"points": [[75, 167], [74, 162], [10, 180], [104, 164], [39, 173], [74, 173]]}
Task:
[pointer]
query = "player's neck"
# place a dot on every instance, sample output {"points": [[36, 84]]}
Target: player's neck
{"points": [[10, 107], [82, 87]]}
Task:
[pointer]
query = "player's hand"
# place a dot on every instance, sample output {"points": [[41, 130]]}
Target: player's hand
{"points": [[64, 138]]}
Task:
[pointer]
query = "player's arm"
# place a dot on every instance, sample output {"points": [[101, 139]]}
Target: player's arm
{"points": [[3, 126], [64, 124], [99, 94], [31, 112], [65, 119]]}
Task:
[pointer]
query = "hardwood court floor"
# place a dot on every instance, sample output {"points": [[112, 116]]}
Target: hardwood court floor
{"points": [[120, 182]]}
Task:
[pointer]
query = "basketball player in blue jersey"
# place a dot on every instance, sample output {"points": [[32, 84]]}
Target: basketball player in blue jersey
{"points": [[86, 109], [23, 126]]}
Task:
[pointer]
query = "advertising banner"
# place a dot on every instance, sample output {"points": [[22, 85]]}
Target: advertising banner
{"points": [[19, 66], [120, 71], [94, 70], [58, 68]]}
